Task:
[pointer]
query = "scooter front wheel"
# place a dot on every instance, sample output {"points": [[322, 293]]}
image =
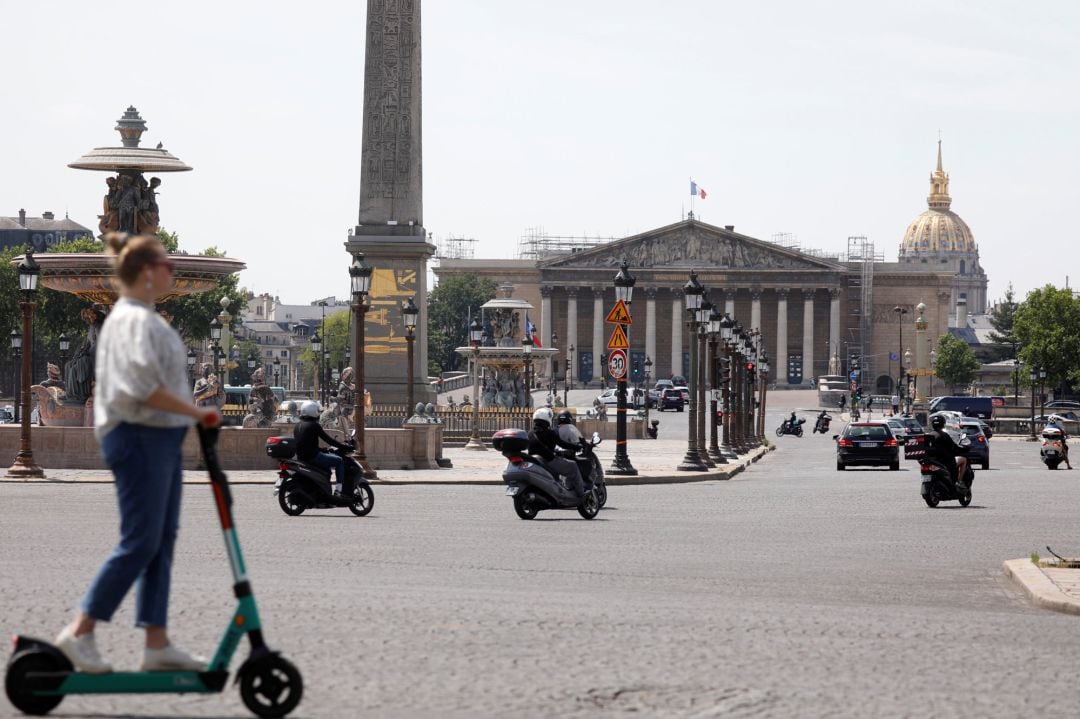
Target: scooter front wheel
{"points": [[289, 502], [15, 683], [780, 431], [365, 500], [590, 505], [271, 687], [965, 498]]}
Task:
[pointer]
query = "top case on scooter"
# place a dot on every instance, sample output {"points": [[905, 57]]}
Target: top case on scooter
{"points": [[281, 447]]}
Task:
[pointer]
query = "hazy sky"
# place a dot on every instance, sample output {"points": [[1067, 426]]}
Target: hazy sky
{"points": [[586, 118]]}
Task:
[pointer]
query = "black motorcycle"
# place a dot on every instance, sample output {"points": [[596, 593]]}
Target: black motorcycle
{"points": [[822, 423], [303, 486], [938, 484], [789, 427]]}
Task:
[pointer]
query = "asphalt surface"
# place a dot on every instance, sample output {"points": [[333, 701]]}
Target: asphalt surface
{"points": [[790, 590]]}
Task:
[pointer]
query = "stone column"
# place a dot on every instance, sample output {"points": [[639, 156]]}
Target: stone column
{"points": [[808, 334], [729, 303], [834, 323], [545, 314], [780, 362], [571, 323], [677, 313], [755, 308], [598, 345], [650, 324]]}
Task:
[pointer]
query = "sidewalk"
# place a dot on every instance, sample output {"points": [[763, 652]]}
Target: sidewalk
{"points": [[655, 461], [1049, 587]]}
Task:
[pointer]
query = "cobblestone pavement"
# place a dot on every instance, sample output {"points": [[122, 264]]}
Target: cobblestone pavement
{"points": [[791, 590]]}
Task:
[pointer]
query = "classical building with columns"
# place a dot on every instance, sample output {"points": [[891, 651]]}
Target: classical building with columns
{"points": [[809, 309]]}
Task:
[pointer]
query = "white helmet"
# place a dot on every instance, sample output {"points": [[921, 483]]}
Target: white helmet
{"points": [[309, 409], [544, 414]]}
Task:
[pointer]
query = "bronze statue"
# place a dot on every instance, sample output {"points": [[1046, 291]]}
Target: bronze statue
{"points": [[53, 379], [208, 390], [262, 403], [79, 372]]}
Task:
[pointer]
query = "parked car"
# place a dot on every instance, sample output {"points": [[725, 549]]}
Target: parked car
{"points": [[1066, 415], [6, 417], [684, 391], [904, 428], [867, 443], [635, 398], [979, 451], [1062, 404], [658, 389], [678, 380], [671, 398]]}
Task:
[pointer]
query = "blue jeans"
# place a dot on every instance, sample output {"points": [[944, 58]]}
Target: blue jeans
{"points": [[334, 462], [146, 462]]}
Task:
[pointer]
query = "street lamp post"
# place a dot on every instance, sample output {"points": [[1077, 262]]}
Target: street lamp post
{"points": [[1042, 388], [648, 376], [16, 355], [29, 272], [704, 316], [1031, 377], [527, 348], [476, 334], [763, 368], [933, 370], [65, 344], [624, 292], [215, 338], [1016, 382], [316, 348], [360, 285], [553, 385], [410, 312], [716, 321], [900, 312], [568, 379], [191, 363], [693, 292], [726, 371], [905, 396]]}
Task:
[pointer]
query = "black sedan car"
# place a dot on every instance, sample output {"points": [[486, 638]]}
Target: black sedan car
{"points": [[867, 443], [670, 399]]}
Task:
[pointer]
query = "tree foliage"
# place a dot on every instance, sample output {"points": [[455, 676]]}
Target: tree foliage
{"points": [[956, 362], [1047, 327], [335, 339], [448, 312], [1002, 317]]}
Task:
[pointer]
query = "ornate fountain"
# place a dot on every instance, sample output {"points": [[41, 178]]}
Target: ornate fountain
{"points": [[503, 359], [130, 205]]}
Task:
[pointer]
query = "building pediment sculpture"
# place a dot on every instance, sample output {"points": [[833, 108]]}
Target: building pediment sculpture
{"points": [[692, 244]]}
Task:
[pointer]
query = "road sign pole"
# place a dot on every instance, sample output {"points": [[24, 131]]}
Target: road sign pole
{"points": [[621, 464]]}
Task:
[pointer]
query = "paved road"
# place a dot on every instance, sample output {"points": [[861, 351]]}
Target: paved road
{"points": [[792, 590]]}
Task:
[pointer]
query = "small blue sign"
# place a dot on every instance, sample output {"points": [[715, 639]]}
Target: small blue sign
{"points": [[854, 375]]}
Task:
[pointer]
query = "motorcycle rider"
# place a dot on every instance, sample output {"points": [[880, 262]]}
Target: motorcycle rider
{"points": [[544, 442], [821, 419], [792, 423], [1058, 423], [570, 436], [308, 432], [940, 446]]}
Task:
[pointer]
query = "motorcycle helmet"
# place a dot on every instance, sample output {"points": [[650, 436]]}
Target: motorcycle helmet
{"points": [[543, 417], [937, 421], [309, 409], [565, 417]]}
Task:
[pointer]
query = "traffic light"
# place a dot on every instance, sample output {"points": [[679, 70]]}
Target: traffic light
{"points": [[567, 364], [725, 370]]}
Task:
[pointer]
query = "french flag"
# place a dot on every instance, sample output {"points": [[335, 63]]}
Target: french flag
{"points": [[530, 330], [696, 190]]}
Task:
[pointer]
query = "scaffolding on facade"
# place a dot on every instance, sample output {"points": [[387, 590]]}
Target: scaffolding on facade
{"points": [[860, 327], [537, 244], [455, 248]]}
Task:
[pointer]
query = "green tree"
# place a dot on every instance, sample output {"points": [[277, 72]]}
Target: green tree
{"points": [[1047, 327], [956, 362], [1002, 317], [448, 311]]}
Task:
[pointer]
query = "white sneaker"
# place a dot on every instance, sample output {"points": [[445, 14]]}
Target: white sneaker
{"points": [[82, 651], [171, 659]]}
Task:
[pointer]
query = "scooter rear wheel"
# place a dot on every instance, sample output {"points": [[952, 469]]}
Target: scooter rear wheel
{"points": [[931, 500], [524, 507], [15, 682], [289, 504], [271, 687], [365, 500]]}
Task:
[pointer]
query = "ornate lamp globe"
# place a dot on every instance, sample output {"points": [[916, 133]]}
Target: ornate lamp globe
{"points": [[624, 283], [316, 343], [65, 343], [29, 272], [693, 292], [360, 276], [410, 311], [476, 333]]}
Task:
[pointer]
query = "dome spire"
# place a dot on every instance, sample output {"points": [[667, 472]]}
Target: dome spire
{"points": [[939, 186]]}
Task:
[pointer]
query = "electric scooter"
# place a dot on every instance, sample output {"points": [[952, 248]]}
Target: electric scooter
{"points": [[39, 676], [302, 485]]}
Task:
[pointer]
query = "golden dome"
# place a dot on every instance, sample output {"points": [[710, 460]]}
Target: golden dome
{"points": [[939, 229]]}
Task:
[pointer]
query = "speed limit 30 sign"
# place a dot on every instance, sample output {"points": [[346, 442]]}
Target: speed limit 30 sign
{"points": [[616, 364]]}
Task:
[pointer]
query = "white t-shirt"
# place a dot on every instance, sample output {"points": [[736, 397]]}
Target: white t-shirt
{"points": [[137, 352]]}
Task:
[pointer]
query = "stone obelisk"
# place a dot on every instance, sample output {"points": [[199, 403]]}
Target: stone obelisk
{"points": [[390, 231]]}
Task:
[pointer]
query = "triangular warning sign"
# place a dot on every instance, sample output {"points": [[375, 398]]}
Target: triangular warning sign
{"points": [[618, 339], [619, 314]]}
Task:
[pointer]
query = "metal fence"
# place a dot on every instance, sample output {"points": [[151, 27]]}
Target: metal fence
{"points": [[457, 422]]}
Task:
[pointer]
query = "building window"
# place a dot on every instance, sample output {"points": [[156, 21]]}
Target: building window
{"points": [[961, 267]]}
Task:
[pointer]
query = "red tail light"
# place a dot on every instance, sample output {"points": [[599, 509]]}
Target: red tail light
{"points": [[273, 440], [282, 466], [928, 468], [890, 442], [844, 442], [982, 440], [515, 460]]}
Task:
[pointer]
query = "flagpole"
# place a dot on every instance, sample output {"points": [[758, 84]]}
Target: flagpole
{"points": [[691, 196]]}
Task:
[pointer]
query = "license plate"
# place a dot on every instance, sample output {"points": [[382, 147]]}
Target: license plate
{"points": [[868, 444], [512, 490], [927, 477]]}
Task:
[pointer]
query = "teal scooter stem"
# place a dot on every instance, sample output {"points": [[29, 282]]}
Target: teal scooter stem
{"points": [[39, 676]]}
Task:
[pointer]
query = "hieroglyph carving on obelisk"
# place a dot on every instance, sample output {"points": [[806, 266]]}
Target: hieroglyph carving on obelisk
{"points": [[391, 186]]}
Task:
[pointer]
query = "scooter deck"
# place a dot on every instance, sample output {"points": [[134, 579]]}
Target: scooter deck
{"points": [[179, 682]]}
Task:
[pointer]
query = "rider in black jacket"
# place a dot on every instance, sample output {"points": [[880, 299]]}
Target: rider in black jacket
{"points": [[941, 447], [307, 433], [544, 442]]}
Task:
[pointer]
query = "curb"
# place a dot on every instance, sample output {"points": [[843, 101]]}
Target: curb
{"points": [[1039, 588]]}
